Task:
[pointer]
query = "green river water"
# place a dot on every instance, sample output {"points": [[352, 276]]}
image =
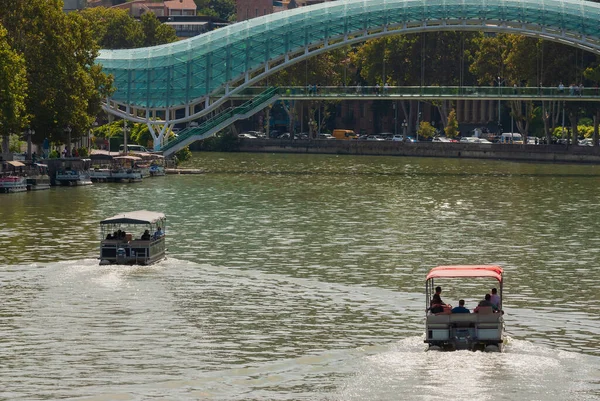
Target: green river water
{"points": [[301, 277]]}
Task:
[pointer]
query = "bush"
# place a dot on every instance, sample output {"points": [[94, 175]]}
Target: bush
{"points": [[83, 152], [54, 154], [183, 155]]}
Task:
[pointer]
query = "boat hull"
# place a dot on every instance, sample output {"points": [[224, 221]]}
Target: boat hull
{"points": [[465, 331], [132, 252], [12, 184]]}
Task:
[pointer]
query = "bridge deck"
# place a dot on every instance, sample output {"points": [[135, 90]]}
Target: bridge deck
{"points": [[426, 93]]}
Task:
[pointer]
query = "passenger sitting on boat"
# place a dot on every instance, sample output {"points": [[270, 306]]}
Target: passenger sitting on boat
{"points": [[159, 233], [146, 235], [460, 308], [485, 302], [436, 304], [495, 298], [438, 292], [109, 236]]}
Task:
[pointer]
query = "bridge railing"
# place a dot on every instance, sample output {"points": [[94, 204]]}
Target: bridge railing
{"points": [[567, 93], [224, 115]]}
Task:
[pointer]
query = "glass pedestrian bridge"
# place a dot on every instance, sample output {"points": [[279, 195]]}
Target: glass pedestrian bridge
{"points": [[178, 82]]}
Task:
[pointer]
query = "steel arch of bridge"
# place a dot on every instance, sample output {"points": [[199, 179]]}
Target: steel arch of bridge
{"points": [[153, 83]]}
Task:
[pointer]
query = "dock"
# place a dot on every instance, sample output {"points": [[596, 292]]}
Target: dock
{"points": [[184, 171]]}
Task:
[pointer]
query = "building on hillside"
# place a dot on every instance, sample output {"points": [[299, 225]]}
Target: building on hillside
{"points": [[248, 9], [73, 5], [187, 26], [161, 9]]}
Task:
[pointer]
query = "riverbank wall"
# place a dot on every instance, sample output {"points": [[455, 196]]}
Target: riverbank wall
{"points": [[494, 151]]}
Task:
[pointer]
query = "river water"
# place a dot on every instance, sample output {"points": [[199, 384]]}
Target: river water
{"points": [[301, 277]]}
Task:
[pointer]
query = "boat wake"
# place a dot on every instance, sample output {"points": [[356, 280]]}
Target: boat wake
{"points": [[525, 371]]}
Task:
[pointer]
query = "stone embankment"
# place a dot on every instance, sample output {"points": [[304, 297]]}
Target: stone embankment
{"points": [[531, 153]]}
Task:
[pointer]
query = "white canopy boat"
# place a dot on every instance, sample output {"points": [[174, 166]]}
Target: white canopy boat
{"points": [[134, 238]]}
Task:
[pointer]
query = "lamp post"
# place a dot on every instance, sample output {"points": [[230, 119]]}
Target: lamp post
{"points": [[404, 128], [29, 133], [418, 126], [126, 130], [89, 138], [68, 132], [395, 106]]}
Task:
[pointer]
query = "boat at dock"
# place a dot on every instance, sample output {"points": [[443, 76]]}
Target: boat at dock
{"points": [[40, 180], [70, 177], [12, 183], [38, 183], [134, 238], [482, 330]]}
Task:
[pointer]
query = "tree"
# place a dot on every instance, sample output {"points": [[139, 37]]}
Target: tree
{"points": [[13, 89], [451, 129], [426, 130], [224, 9], [114, 28], [64, 85], [154, 32]]}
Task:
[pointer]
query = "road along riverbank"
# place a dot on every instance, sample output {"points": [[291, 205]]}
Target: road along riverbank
{"points": [[496, 151]]}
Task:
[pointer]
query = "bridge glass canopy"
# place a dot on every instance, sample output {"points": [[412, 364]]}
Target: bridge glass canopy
{"points": [[180, 73]]}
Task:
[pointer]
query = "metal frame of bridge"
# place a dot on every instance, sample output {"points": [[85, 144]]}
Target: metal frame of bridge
{"points": [[155, 84]]}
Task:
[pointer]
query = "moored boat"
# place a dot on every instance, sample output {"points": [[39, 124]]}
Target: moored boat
{"points": [[449, 331], [72, 177], [126, 169], [40, 180], [134, 238], [12, 183], [38, 183]]}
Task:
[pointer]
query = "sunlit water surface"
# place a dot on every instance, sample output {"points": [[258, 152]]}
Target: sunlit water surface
{"points": [[301, 278]]}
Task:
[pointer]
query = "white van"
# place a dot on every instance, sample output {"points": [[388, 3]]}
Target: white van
{"points": [[133, 149], [511, 137]]}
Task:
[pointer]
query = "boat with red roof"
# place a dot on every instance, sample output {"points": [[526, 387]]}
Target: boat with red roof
{"points": [[483, 331]]}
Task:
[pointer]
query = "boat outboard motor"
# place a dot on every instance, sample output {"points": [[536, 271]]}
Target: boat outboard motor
{"points": [[121, 256]]}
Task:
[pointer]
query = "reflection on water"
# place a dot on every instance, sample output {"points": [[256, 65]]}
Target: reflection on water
{"points": [[301, 277]]}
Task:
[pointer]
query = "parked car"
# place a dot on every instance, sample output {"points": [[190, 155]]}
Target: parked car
{"points": [[325, 136], [386, 136], [285, 135], [374, 138], [246, 135], [398, 138], [586, 142], [441, 139], [257, 134]]}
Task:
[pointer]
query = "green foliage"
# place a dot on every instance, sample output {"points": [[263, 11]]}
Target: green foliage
{"points": [[15, 143], [587, 131], [64, 87], [426, 130], [451, 129], [13, 87], [224, 9], [156, 33], [83, 152], [184, 154], [54, 154], [558, 132]]}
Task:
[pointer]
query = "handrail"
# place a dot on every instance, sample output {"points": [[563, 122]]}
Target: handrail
{"points": [[221, 117]]}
